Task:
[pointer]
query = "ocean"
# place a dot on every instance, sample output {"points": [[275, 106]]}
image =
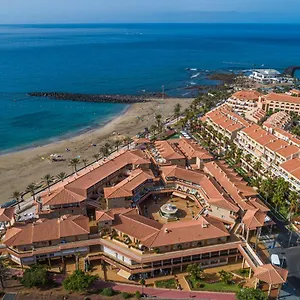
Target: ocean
{"points": [[119, 58]]}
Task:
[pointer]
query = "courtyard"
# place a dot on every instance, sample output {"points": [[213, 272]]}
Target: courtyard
{"points": [[186, 208]]}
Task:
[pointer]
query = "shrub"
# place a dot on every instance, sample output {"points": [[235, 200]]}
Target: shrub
{"points": [[138, 294], [126, 295], [36, 276], [78, 281], [200, 285], [108, 292]]}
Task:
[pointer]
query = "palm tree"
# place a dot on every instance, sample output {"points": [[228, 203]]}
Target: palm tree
{"points": [[16, 195], [61, 176], [177, 111], [31, 188], [105, 150], [294, 203], [85, 161], [158, 119], [257, 166], [96, 156], [47, 179], [127, 141], [267, 188], [117, 144], [74, 162], [195, 271]]}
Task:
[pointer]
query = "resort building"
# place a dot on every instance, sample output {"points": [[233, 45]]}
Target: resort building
{"points": [[265, 76], [243, 101], [290, 171], [279, 119], [279, 102], [294, 92], [158, 217], [224, 122], [269, 150], [84, 193]]}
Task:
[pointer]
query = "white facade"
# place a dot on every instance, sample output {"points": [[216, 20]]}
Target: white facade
{"points": [[265, 75]]}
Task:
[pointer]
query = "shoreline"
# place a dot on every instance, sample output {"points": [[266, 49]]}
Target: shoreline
{"points": [[20, 168], [66, 136]]}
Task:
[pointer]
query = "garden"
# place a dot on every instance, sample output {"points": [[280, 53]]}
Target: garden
{"points": [[166, 284]]}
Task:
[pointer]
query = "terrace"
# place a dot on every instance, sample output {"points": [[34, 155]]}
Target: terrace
{"points": [[187, 209]]}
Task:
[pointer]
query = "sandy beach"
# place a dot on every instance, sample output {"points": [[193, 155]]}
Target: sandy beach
{"points": [[18, 169]]}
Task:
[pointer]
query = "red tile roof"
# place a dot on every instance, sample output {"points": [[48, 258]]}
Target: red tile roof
{"points": [[125, 187], [254, 218], [247, 95], [271, 274], [47, 230], [282, 98], [7, 214]]}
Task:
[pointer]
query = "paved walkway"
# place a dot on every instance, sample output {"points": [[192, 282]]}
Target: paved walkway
{"points": [[166, 293]]}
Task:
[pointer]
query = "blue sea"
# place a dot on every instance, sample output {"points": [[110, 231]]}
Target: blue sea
{"points": [[122, 58]]}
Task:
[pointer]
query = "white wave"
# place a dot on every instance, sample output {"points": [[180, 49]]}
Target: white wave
{"points": [[195, 76]]}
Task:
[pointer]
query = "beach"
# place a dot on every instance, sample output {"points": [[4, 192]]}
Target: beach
{"points": [[19, 169]]}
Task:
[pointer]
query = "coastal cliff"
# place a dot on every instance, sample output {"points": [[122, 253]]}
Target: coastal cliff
{"points": [[125, 99]]}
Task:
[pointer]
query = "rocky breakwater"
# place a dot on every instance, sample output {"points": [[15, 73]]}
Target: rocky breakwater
{"points": [[125, 99]]}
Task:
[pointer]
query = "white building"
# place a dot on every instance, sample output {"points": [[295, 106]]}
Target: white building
{"points": [[265, 75]]}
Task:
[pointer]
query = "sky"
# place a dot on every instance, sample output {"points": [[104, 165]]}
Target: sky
{"points": [[135, 11]]}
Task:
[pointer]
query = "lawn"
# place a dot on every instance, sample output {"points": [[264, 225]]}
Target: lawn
{"points": [[216, 287], [166, 284], [242, 272]]}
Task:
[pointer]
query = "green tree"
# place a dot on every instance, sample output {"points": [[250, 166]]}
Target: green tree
{"points": [[61, 176], [177, 111], [117, 144], [31, 188], [35, 276], [96, 156], [226, 277], [294, 203], [17, 195], [85, 161], [74, 162], [195, 271], [105, 150], [267, 188], [251, 294], [4, 274], [47, 180], [158, 120], [108, 292], [127, 141], [78, 281]]}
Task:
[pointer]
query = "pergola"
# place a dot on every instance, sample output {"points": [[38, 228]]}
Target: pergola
{"points": [[272, 275]]}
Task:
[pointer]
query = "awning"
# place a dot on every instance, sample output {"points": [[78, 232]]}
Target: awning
{"points": [[124, 274], [179, 195]]}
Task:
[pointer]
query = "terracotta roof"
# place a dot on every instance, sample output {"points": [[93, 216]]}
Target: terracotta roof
{"points": [[7, 214], [61, 196], [192, 149], [257, 203], [276, 145], [47, 230], [204, 228], [288, 151], [168, 151], [292, 167], [247, 95], [80, 185], [236, 188], [182, 173], [125, 187], [142, 141], [254, 218], [271, 274], [281, 98], [295, 91], [103, 216]]}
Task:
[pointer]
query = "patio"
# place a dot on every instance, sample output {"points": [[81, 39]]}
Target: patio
{"points": [[187, 208]]}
